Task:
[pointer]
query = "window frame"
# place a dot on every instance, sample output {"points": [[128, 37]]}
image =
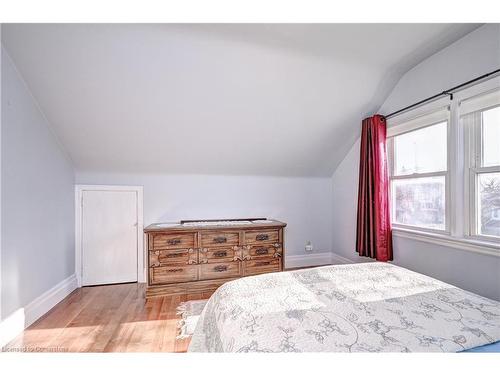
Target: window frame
{"points": [[425, 121], [472, 124]]}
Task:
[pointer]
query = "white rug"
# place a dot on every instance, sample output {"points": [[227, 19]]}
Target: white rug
{"points": [[190, 313]]}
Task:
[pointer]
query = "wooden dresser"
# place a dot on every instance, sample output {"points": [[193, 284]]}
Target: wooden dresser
{"points": [[192, 257]]}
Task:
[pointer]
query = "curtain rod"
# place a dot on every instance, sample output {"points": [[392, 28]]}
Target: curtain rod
{"points": [[444, 93]]}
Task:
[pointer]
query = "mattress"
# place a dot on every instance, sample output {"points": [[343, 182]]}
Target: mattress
{"points": [[368, 307]]}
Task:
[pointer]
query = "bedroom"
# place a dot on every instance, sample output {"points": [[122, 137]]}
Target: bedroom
{"points": [[195, 186]]}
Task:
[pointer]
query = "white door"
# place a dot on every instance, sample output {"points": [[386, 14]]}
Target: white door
{"points": [[109, 237]]}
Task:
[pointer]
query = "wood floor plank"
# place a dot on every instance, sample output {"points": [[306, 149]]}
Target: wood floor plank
{"points": [[123, 335], [45, 331], [110, 326], [133, 325], [145, 336], [81, 332], [109, 318]]}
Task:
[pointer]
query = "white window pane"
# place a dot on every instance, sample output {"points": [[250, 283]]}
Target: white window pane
{"points": [[421, 151], [419, 202], [491, 137], [489, 204]]}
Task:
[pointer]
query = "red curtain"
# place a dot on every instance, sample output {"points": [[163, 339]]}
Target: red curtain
{"points": [[373, 237]]}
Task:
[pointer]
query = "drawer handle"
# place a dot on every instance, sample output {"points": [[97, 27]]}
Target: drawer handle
{"points": [[262, 264], [220, 239], [220, 254], [175, 270], [174, 241], [262, 237], [174, 255], [220, 268], [262, 251]]}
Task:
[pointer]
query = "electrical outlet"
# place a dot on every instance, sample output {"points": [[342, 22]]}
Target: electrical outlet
{"points": [[309, 246]]}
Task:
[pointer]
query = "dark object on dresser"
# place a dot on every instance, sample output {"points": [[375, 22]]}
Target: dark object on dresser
{"points": [[200, 256]]}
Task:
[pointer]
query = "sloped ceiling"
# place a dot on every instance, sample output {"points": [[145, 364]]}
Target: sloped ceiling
{"points": [[250, 99]]}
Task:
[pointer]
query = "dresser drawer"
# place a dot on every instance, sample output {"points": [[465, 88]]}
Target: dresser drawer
{"points": [[173, 257], [265, 265], [220, 270], [256, 237], [219, 238], [173, 274], [262, 251], [216, 255], [172, 241]]}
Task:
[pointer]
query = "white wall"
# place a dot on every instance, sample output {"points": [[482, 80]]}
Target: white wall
{"points": [[471, 56], [345, 202], [37, 199], [303, 203]]}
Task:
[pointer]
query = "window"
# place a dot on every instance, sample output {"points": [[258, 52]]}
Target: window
{"points": [[483, 129], [490, 125], [444, 170], [418, 160]]}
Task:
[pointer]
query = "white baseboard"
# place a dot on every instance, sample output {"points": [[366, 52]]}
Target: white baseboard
{"points": [[337, 259], [42, 304], [315, 259], [307, 260], [22, 318]]}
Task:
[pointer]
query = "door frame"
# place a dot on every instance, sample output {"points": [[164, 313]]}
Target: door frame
{"points": [[79, 189]]}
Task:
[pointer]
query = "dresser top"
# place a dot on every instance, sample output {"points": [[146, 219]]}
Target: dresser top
{"points": [[214, 224]]}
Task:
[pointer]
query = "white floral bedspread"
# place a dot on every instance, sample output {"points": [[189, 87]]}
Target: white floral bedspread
{"points": [[369, 307]]}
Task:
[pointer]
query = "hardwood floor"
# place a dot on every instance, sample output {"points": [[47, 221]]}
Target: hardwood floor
{"points": [[110, 318]]}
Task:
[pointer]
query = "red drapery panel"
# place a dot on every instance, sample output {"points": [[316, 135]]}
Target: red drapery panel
{"points": [[373, 237]]}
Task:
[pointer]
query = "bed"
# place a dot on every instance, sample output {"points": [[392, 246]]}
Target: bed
{"points": [[367, 307]]}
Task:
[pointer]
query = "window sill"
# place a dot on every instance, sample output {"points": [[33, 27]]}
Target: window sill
{"points": [[476, 246]]}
